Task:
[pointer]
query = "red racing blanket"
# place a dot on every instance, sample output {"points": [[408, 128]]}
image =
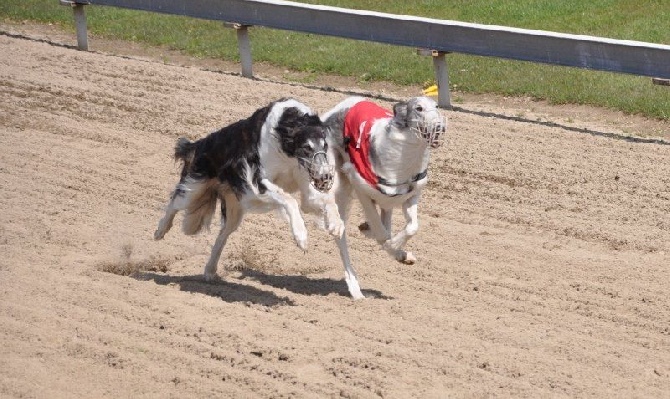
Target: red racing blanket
{"points": [[357, 124]]}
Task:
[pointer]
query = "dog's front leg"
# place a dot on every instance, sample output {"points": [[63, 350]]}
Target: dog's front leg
{"points": [[349, 273], [165, 224], [343, 199], [395, 245], [315, 201], [334, 223], [277, 197], [177, 203]]}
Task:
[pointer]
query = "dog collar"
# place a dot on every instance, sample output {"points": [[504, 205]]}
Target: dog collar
{"points": [[393, 189]]}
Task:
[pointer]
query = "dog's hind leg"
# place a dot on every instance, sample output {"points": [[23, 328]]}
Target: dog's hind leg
{"points": [[394, 245], [175, 205], [234, 214], [165, 224], [386, 218]]}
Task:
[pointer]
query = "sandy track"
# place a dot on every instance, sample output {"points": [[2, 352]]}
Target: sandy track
{"points": [[544, 254]]}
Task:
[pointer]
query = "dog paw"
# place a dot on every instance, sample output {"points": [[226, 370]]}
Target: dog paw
{"points": [[364, 228], [162, 229], [407, 258], [357, 296], [336, 228], [301, 240], [354, 289]]}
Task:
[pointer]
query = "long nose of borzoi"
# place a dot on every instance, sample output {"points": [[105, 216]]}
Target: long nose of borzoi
{"points": [[426, 121], [321, 170]]}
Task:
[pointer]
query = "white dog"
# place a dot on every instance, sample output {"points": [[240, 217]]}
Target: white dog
{"points": [[384, 158]]}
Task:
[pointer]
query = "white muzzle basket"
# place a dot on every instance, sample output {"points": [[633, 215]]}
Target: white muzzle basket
{"points": [[321, 172], [431, 129]]}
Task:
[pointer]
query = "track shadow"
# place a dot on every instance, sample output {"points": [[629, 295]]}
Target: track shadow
{"points": [[305, 285], [226, 290]]}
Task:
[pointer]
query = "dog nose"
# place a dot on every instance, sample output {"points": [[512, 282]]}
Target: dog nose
{"points": [[324, 184], [321, 172], [323, 181]]}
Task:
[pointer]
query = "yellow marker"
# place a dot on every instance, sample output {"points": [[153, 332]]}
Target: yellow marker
{"points": [[430, 91]]}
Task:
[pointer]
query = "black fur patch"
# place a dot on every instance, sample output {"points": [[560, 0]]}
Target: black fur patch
{"points": [[295, 128], [224, 153]]}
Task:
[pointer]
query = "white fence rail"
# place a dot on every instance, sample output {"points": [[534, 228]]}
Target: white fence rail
{"points": [[441, 36]]}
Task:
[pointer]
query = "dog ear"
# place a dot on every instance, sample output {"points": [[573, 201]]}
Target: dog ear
{"points": [[292, 115], [313, 119], [400, 113]]}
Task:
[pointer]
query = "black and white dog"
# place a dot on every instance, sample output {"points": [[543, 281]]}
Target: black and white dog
{"points": [[250, 165], [384, 159]]}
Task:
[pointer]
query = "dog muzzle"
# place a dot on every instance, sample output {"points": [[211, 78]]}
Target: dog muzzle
{"points": [[321, 172], [431, 130]]}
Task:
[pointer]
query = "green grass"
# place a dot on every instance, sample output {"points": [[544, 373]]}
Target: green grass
{"points": [[644, 20]]}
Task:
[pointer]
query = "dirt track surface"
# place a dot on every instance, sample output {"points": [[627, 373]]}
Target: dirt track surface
{"points": [[543, 251]]}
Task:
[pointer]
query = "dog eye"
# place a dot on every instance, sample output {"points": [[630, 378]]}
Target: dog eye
{"points": [[308, 144], [419, 108]]}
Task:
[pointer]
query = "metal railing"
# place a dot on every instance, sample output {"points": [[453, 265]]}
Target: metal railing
{"points": [[439, 36]]}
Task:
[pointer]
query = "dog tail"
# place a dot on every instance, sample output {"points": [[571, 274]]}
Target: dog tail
{"points": [[184, 150], [201, 207], [198, 195]]}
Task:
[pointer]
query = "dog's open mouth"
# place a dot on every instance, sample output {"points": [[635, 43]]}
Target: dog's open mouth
{"points": [[321, 172], [435, 136]]}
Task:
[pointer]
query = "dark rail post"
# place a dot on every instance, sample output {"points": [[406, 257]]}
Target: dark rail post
{"points": [[244, 47], [441, 76], [79, 21]]}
